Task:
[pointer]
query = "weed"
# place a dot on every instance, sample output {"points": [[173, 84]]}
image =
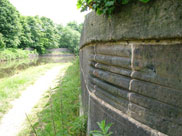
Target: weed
{"points": [[104, 129], [11, 54]]}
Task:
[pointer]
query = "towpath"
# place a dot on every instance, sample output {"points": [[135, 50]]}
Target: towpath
{"points": [[11, 123]]}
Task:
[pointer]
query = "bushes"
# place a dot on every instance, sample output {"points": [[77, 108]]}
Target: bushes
{"points": [[2, 44], [106, 7], [70, 39], [11, 53]]}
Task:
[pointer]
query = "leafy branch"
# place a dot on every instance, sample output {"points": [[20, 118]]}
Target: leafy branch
{"points": [[106, 7], [104, 129]]}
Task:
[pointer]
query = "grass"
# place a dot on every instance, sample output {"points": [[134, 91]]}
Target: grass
{"points": [[11, 54], [11, 87], [57, 113]]}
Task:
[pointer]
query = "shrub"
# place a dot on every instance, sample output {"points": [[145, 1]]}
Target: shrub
{"points": [[11, 53], [106, 7], [104, 129]]}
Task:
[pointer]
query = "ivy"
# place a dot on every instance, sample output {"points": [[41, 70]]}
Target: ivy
{"points": [[106, 7]]}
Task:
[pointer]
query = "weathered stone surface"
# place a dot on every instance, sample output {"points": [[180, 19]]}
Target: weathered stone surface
{"points": [[161, 64], [161, 93], [122, 125], [131, 67], [122, 49], [84, 67], [113, 69], [155, 20], [112, 60], [155, 121], [115, 79], [121, 96]]}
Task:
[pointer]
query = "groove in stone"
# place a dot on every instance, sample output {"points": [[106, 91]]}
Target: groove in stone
{"points": [[111, 78], [112, 60]]}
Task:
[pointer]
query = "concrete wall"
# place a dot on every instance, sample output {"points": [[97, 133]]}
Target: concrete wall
{"points": [[131, 69]]}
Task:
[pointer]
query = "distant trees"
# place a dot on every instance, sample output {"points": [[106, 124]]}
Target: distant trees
{"points": [[70, 36], [2, 44], [10, 27], [50, 33], [36, 32], [26, 35], [70, 39], [75, 26]]}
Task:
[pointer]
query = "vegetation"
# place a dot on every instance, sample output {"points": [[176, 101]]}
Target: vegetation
{"points": [[106, 7], [75, 26], [12, 53], [39, 33], [11, 87], [104, 129], [69, 39], [57, 113], [10, 27]]}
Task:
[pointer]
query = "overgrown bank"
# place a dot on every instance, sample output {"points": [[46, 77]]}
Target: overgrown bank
{"points": [[12, 54], [57, 113]]}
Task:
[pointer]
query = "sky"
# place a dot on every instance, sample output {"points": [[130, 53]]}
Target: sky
{"points": [[60, 11]]}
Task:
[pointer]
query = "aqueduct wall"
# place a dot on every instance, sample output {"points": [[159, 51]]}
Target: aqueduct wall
{"points": [[131, 69]]}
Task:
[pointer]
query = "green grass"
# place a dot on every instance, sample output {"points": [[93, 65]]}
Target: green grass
{"points": [[11, 54], [11, 87], [57, 113]]}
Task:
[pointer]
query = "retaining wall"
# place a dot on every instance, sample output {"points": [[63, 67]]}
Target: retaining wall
{"points": [[131, 69]]}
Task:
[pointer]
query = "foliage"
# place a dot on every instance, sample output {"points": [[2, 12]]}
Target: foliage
{"points": [[39, 33], [2, 44], [106, 7], [10, 27], [25, 37], [50, 33], [36, 32], [75, 26], [70, 39], [11, 54], [104, 129]]}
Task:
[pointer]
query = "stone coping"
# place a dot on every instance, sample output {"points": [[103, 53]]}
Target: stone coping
{"points": [[155, 20]]}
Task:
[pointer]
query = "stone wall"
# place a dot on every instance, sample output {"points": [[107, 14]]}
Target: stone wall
{"points": [[131, 69]]}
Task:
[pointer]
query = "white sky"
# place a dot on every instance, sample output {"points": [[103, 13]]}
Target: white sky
{"points": [[60, 11]]}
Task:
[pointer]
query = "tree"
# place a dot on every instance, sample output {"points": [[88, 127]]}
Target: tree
{"points": [[50, 33], [2, 44], [75, 26], [37, 34], [69, 39], [10, 26], [25, 38]]}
